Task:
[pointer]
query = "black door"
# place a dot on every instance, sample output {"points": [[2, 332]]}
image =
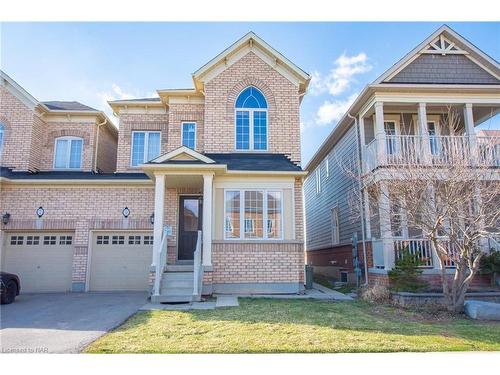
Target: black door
{"points": [[190, 215]]}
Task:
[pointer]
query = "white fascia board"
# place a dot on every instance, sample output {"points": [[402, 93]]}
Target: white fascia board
{"points": [[300, 75], [179, 151]]}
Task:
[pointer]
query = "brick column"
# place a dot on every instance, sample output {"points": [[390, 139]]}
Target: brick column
{"points": [[80, 256]]}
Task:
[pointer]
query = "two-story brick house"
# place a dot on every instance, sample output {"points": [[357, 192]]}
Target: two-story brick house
{"points": [[398, 121], [199, 190]]}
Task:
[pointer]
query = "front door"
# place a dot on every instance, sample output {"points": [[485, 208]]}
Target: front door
{"points": [[190, 217]]}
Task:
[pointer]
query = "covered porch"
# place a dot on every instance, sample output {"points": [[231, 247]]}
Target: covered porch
{"points": [[433, 130]]}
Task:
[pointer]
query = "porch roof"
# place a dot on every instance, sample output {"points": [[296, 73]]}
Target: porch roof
{"points": [[242, 162]]}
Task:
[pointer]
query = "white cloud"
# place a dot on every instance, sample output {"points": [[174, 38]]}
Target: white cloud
{"points": [[340, 76], [332, 111], [117, 93]]}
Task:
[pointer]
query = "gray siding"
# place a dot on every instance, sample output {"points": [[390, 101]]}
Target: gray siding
{"points": [[456, 69], [335, 191]]}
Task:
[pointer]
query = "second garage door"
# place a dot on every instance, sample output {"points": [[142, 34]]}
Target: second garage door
{"points": [[120, 261]]}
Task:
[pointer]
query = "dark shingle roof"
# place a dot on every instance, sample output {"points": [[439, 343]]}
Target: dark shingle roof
{"points": [[69, 175], [67, 106], [255, 162], [247, 162]]}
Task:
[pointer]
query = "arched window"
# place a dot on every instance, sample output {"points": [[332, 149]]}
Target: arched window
{"points": [[251, 120], [2, 130], [68, 153]]}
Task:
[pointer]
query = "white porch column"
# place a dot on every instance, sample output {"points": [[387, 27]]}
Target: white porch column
{"points": [[362, 142], [366, 202], [425, 147], [159, 208], [380, 133], [384, 207], [469, 129], [207, 219]]}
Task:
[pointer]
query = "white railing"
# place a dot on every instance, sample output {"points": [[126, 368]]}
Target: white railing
{"points": [[160, 264], [421, 249], [435, 150], [488, 149], [198, 269]]}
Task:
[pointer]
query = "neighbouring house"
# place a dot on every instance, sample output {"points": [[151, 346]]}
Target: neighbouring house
{"points": [[396, 120], [198, 191]]}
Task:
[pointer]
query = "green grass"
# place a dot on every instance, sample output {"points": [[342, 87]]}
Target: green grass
{"points": [[272, 326]]}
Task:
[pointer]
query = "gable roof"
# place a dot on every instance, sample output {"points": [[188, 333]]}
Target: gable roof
{"points": [[380, 83], [177, 156], [254, 43], [452, 43]]}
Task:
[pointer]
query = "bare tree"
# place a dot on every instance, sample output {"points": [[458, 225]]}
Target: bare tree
{"points": [[446, 194]]}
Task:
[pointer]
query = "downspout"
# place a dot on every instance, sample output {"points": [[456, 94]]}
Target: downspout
{"points": [[97, 143], [358, 152]]}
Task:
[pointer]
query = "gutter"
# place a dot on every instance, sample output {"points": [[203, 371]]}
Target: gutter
{"points": [[356, 125], [97, 143]]}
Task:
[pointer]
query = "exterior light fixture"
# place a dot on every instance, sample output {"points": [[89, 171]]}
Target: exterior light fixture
{"points": [[40, 211], [126, 212], [152, 218], [5, 218]]}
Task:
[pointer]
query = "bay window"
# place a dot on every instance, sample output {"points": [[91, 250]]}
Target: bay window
{"points": [[257, 212], [145, 147]]}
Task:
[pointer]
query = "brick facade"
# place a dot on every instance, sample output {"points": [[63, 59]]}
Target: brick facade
{"points": [[283, 107], [80, 209], [133, 122]]}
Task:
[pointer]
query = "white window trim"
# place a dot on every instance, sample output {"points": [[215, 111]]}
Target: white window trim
{"points": [[251, 130], [68, 152], [146, 145], [265, 218], [182, 132], [335, 231], [327, 166], [317, 175]]}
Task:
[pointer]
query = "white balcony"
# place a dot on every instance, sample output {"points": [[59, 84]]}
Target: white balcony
{"points": [[399, 150]]}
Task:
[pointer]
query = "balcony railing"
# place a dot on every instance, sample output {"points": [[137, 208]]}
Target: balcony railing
{"points": [[433, 150]]}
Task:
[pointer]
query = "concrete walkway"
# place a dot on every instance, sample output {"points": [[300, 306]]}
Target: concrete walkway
{"points": [[318, 292], [221, 301]]}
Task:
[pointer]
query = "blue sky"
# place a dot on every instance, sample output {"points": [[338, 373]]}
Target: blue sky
{"points": [[95, 62]]}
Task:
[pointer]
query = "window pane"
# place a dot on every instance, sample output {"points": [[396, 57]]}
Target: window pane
{"points": [[242, 130], [153, 146], [191, 215], [61, 160], [251, 97], [259, 130], [274, 214], [189, 134], [75, 156], [254, 212], [138, 148], [232, 214]]}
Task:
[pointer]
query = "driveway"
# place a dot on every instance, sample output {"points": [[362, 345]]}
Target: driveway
{"points": [[63, 322]]}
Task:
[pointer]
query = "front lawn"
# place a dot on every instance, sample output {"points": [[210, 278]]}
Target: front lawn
{"points": [[272, 326]]}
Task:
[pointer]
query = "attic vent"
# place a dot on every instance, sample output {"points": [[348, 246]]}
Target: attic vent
{"points": [[442, 46]]}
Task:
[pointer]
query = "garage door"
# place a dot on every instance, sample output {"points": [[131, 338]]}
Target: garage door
{"points": [[41, 260], [120, 261]]}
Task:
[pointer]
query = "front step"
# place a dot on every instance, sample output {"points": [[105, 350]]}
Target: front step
{"points": [[172, 299], [176, 285], [179, 268]]}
